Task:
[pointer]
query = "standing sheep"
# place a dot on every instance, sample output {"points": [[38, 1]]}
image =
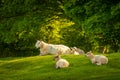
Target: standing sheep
{"points": [[97, 59], [61, 63]]}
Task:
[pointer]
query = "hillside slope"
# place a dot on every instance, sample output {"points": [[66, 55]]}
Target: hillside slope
{"points": [[43, 68]]}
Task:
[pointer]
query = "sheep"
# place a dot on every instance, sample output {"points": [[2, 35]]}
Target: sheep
{"points": [[46, 48], [60, 63], [76, 51], [97, 59]]}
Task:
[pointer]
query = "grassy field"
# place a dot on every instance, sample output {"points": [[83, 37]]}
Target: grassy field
{"points": [[43, 68]]}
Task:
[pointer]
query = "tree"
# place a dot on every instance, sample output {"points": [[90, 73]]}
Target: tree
{"points": [[22, 22], [99, 19]]}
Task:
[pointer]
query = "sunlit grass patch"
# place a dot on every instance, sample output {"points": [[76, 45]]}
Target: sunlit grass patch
{"points": [[43, 68]]}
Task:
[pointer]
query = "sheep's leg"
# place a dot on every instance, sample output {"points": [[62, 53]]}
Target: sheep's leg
{"points": [[40, 54], [98, 63], [93, 61], [57, 67]]}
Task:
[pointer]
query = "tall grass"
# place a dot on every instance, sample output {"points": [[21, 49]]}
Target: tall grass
{"points": [[43, 68]]}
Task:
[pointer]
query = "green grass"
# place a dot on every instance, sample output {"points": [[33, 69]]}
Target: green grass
{"points": [[43, 68]]}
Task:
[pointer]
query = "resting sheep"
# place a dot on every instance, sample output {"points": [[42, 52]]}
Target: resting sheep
{"points": [[61, 63], [77, 51], [46, 48], [97, 59]]}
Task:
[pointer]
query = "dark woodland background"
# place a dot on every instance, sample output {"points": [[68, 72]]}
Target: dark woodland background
{"points": [[87, 24]]}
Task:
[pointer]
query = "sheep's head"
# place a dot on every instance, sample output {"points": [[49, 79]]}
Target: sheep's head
{"points": [[39, 43], [90, 54], [73, 49], [57, 57]]}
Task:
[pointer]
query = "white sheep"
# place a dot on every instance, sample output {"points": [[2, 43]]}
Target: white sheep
{"points": [[97, 59], [61, 63], [46, 48], [76, 51]]}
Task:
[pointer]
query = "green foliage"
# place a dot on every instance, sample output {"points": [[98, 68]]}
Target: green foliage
{"points": [[99, 19], [82, 23], [43, 68], [75, 36], [24, 21]]}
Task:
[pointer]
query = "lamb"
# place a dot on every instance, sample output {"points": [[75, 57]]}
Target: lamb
{"points": [[97, 59], [77, 51], [61, 63], [46, 48]]}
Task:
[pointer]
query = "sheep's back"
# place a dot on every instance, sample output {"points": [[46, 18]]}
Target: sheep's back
{"points": [[62, 63], [101, 58]]}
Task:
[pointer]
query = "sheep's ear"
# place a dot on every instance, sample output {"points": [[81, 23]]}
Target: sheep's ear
{"points": [[71, 48], [56, 55], [91, 52], [75, 47]]}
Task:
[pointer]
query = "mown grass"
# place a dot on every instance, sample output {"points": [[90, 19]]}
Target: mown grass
{"points": [[43, 68]]}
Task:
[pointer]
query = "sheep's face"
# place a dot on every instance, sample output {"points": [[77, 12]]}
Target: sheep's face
{"points": [[89, 54], [73, 49], [38, 44], [56, 58], [76, 50]]}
